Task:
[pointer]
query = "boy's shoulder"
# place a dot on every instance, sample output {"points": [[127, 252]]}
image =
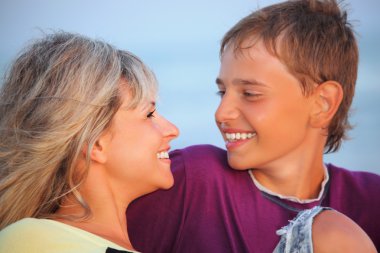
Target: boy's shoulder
{"points": [[356, 194], [353, 187], [201, 159], [204, 165], [204, 151], [199, 156], [342, 175]]}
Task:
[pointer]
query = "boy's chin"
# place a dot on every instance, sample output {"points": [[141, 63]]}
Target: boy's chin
{"points": [[237, 164]]}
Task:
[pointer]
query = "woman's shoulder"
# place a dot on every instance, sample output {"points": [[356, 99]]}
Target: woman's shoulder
{"points": [[44, 235], [22, 235], [24, 226]]}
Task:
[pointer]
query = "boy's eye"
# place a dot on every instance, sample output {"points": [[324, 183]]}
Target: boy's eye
{"points": [[151, 114], [251, 94]]}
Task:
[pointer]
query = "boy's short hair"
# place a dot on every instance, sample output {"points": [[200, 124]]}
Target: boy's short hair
{"points": [[315, 41]]}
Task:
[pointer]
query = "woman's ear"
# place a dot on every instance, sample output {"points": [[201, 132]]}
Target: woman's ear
{"points": [[328, 97], [98, 152]]}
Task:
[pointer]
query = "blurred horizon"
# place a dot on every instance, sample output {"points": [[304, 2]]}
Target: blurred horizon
{"points": [[179, 41]]}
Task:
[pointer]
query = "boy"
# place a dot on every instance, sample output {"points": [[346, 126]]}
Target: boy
{"points": [[286, 81]]}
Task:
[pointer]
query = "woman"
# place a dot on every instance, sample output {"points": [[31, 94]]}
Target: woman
{"points": [[80, 139]]}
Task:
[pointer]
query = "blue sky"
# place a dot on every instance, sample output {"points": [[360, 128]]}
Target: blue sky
{"points": [[179, 40]]}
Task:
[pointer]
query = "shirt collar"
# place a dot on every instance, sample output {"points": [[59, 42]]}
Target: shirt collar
{"points": [[292, 198]]}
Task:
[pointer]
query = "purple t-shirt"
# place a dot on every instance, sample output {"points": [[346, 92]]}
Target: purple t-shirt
{"points": [[214, 208]]}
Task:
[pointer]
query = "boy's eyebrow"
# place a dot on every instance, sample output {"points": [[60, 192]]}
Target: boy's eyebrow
{"points": [[248, 82], [241, 82]]}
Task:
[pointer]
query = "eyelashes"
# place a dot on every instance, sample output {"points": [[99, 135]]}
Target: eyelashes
{"points": [[246, 94], [251, 95], [220, 93], [151, 114]]}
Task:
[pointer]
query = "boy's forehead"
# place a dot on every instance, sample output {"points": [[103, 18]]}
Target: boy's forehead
{"points": [[255, 44], [247, 51], [254, 64]]}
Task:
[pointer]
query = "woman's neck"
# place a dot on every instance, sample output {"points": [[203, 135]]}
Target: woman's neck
{"points": [[111, 229], [108, 207]]}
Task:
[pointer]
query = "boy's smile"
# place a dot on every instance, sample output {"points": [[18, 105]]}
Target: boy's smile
{"points": [[236, 137], [263, 114]]}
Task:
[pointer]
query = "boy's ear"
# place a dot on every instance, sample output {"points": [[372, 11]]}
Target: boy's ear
{"points": [[328, 97]]}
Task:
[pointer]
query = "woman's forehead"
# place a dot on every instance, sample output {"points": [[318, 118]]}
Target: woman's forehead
{"points": [[139, 96]]}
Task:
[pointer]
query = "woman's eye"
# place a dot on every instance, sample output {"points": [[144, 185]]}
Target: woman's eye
{"points": [[220, 93], [151, 114]]}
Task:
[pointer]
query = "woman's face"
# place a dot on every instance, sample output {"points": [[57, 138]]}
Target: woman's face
{"points": [[137, 142]]}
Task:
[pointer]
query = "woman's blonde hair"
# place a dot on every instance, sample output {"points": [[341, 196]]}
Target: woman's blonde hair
{"points": [[58, 97]]}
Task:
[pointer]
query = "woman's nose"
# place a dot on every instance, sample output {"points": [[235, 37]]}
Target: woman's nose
{"points": [[169, 129]]}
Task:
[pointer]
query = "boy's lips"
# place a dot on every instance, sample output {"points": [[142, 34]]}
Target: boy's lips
{"points": [[237, 137], [232, 135]]}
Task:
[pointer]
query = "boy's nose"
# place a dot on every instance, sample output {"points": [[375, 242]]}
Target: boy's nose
{"points": [[227, 110]]}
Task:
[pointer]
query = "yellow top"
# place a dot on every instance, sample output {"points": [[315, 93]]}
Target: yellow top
{"points": [[42, 235]]}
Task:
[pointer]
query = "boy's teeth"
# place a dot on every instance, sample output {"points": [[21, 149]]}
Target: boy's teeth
{"points": [[163, 155], [239, 136]]}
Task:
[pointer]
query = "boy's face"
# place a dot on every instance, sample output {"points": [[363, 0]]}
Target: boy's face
{"points": [[263, 115]]}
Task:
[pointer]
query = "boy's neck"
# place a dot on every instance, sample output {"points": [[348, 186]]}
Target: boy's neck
{"points": [[302, 183]]}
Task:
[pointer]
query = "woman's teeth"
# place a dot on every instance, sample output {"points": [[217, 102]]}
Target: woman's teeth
{"points": [[239, 136], [163, 155]]}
